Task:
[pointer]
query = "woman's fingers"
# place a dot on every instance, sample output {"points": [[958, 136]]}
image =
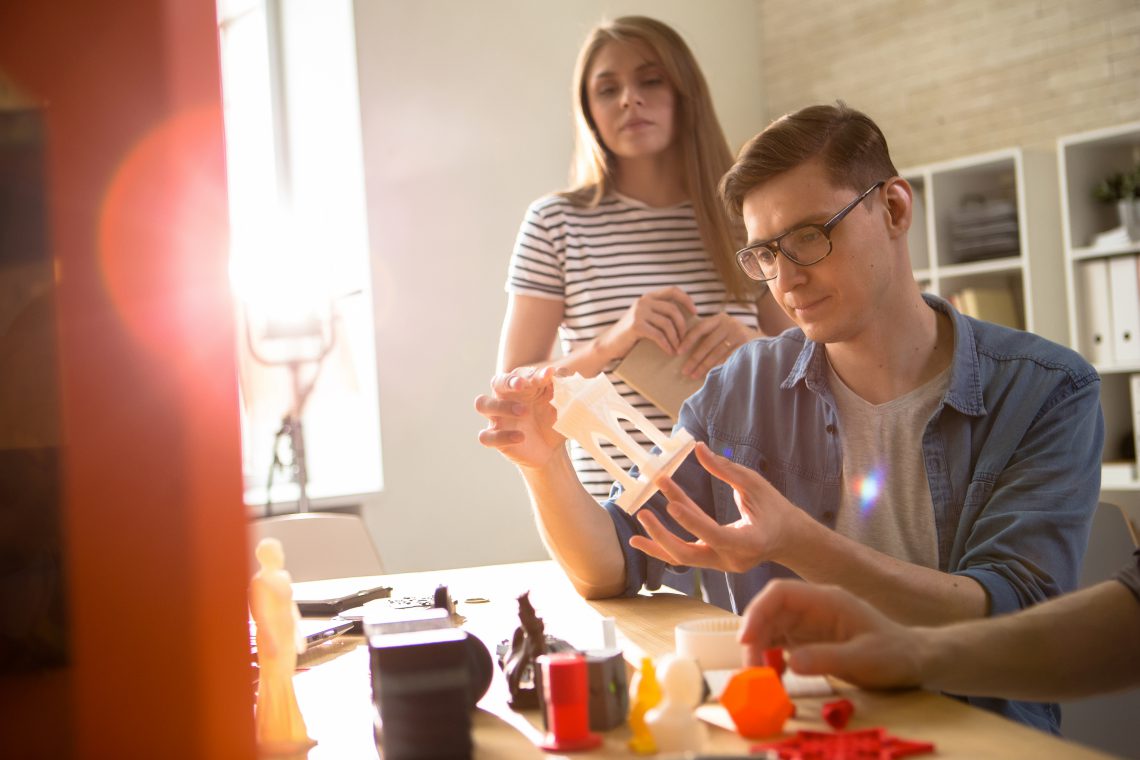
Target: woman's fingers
{"points": [[662, 320], [710, 342]]}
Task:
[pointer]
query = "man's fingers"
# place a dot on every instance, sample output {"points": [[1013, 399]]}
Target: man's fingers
{"points": [[497, 439], [687, 514], [817, 659], [524, 383], [664, 545], [736, 475], [489, 407]]}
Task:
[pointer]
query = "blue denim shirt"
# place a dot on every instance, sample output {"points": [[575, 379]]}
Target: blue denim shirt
{"points": [[1012, 457]]}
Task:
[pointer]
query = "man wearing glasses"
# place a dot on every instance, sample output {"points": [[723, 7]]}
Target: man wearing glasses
{"points": [[939, 467]]}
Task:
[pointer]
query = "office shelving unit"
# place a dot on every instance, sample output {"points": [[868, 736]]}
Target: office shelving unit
{"points": [[1028, 180], [1085, 159]]}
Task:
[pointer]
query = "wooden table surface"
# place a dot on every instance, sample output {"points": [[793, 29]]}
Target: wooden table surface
{"points": [[335, 688]]}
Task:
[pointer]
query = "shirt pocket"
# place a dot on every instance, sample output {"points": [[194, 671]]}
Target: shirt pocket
{"points": [[816, 494], [754, 459]]}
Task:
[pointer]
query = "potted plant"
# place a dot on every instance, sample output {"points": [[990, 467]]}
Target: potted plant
{"points": [[1123, 189]]}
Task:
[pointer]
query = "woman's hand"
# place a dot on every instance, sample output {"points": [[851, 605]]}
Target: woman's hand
{"points": [[659, 315], [712, 340], [521, 417]]}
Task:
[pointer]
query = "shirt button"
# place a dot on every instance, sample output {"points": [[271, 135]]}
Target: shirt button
{"points": [[828, 515], [830, 428]]}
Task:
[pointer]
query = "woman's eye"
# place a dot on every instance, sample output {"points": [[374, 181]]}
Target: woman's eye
{"points": [[654, 82], [605, 92]]}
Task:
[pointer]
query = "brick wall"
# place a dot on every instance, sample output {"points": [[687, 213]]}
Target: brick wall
{"points": [[950, 79]]}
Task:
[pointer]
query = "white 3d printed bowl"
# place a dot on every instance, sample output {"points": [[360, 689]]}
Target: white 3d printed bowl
{"points": [[711, 642]]}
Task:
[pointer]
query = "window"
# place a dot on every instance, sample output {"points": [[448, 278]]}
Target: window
{"points": [[299, 248]]}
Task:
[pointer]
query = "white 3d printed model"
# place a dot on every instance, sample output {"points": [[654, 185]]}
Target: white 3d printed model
{"points": [[590, 410]]}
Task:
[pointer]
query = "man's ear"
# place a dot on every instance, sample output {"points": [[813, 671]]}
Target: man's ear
{"points": [[898, 201]]}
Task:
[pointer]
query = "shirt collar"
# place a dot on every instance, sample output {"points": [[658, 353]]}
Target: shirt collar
{"points": [[965, 389]]}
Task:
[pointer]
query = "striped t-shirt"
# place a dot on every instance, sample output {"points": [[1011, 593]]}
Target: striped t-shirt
{"points": [[598, 261]]}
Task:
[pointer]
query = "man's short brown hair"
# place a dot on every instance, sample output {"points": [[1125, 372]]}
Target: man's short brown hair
{"points": [[851, 146]]}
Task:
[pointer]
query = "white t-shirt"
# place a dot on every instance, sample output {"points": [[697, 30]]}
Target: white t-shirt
{"points": [[600, 260], [886, 502]]}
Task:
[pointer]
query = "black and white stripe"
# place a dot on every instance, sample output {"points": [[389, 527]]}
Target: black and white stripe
{"points": [[600, 260]]}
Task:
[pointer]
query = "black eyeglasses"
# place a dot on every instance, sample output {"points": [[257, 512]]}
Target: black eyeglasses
{"points": [[804, 245]]}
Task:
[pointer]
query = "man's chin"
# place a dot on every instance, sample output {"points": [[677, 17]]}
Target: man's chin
{"points": [[821, 332]]}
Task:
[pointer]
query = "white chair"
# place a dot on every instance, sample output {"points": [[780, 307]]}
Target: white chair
{"points": [[322, 545]]}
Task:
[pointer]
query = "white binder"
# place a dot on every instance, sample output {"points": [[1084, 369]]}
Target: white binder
{"points": [[1125, 298], [1096, 312], [1134, 397]]}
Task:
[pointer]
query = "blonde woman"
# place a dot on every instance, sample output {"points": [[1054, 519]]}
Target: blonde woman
{"points": [[639, 245]]}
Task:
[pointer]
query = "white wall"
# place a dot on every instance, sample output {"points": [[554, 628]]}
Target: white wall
{"points": [[465, 109]]}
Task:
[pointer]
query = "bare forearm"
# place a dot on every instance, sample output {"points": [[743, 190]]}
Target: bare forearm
{"points": [[578, 533], [1072, 646], [587, 360], [908, 593]]}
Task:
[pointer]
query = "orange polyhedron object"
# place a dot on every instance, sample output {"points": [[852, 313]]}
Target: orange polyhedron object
{"points": [[757, 702]]}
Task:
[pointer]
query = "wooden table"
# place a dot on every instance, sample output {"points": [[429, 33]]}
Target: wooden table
{"points": [[335, 689]]}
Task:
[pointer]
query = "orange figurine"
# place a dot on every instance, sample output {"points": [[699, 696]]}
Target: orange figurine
{"points": [[280, 727], [757, 702]]}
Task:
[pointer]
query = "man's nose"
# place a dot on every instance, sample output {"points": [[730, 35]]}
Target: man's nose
{"points": [[788, 273]]}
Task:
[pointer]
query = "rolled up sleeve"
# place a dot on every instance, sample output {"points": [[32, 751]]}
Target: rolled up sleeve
{"points": [[1032, 517]]}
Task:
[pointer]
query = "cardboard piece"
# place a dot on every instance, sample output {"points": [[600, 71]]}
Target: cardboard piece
{"points": [[657, 376]]}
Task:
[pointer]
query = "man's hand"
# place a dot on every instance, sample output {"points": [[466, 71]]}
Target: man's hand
{"points": [[828, 631], [521, 417], [768, 526]]}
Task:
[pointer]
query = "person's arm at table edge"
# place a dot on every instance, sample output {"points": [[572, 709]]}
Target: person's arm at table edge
{"points": [[577, 532], [1078, 644], [1072, 646]]}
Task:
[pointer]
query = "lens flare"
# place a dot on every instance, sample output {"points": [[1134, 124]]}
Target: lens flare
{"points": [[868, 489], [162, 227]]}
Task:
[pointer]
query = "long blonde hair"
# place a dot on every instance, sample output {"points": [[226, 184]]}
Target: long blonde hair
{"points": [[704, 151]]}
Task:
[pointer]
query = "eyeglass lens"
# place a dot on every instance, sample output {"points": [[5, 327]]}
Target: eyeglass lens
{"points": [[804, 246]]}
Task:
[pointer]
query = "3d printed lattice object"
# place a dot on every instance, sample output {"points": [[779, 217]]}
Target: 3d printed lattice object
{"points": [[590, 411]]}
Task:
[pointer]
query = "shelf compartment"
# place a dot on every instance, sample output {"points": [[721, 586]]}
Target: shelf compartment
{"points": [[1085, 160]]}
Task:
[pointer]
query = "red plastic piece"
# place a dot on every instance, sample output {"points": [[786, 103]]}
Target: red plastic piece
{"points": [[774, 659], [757, 702], [866, 744], [837, 713], [566, 691]]}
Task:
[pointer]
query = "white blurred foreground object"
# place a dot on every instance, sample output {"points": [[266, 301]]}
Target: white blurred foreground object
{"points": [[712, 642], [672, 722], [590, 411]]}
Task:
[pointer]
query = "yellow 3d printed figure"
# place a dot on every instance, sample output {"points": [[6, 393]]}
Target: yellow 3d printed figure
{"points": [[646, 694]]}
